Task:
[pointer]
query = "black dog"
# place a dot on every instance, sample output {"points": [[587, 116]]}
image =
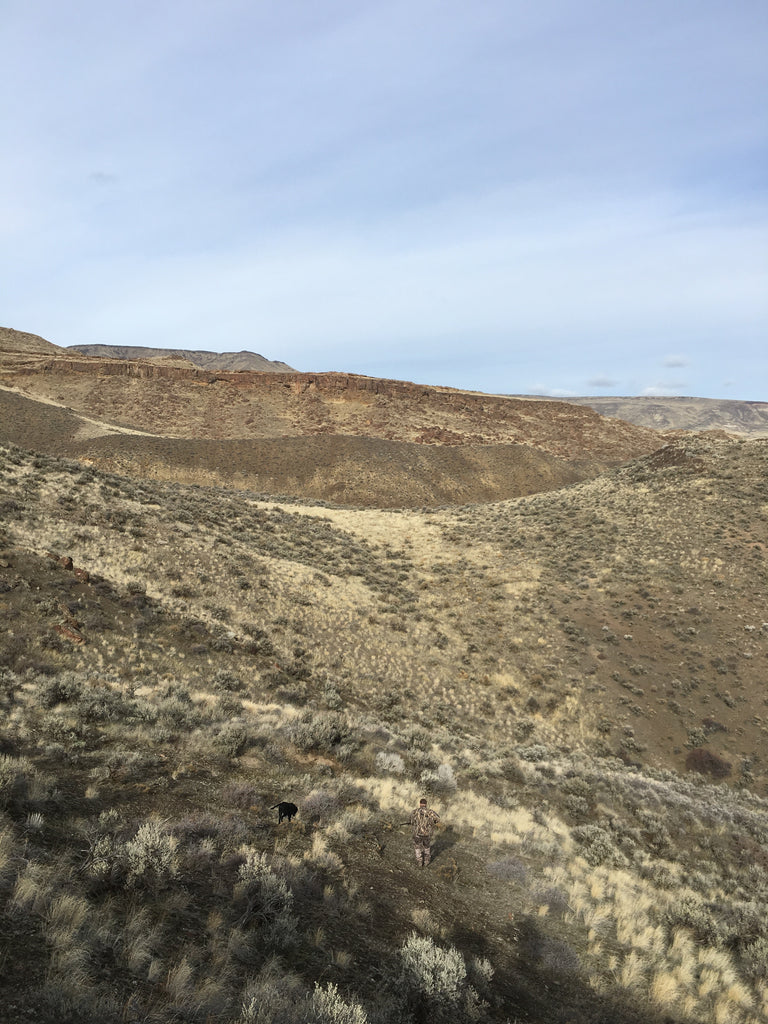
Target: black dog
{"points": [[285, 810]]}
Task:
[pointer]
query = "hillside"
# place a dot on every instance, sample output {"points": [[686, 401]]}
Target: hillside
{"points": [[220, 590], [347, 469], [175, 401], [576, 677], [357, 441], [20, 341], [749, 419]]}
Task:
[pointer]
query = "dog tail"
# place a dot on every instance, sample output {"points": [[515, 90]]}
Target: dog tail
{"points": [[274, 806]]}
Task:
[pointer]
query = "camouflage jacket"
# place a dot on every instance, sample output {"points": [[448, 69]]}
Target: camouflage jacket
{"points": [[423, 821]]}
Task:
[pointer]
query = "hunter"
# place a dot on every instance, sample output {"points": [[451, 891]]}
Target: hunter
{"points": [[423, 821]]}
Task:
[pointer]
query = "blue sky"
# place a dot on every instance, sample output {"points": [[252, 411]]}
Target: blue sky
{"points": [[551, 197]]}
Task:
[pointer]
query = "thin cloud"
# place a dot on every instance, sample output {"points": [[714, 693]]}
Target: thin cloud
{"points": [[102, 178], [675, 361], [602, 382], [552, 392], [664, 390]]}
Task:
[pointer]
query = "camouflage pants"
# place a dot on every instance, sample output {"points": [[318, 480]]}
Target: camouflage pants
{"points": [[421, 847]]}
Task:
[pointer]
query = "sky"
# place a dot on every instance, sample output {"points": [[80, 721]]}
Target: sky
{"points": [[543, 197]]}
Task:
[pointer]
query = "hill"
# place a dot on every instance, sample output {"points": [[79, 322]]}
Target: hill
{"points": [[180, 401], [347, 469], [576, 677], [346, 438], [749, 419], [231, 361], [20, 341]]}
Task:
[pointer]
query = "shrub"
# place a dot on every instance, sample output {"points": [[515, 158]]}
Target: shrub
{"points": [[319, 731], [232, 739], [690, 911], [229, 706], [319, 805], [104, 705], [59, 690], [260, 642], [577, 806], [227, 681], [274, 996], [598, 845], [536, 752], [696, 738], [421, 759], [756, 958], [435, 979], [151, 855], [390, 762], [417, 737], [175, 706], [329, 1008], [440, 781], [264, 899]]}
